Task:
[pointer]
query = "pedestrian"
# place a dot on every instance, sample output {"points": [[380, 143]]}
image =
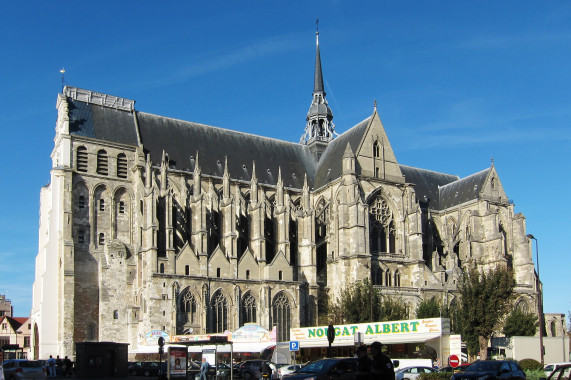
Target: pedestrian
{"points": [[204, 369], [52, 367], [382, 365], [266, 371], [436, 363], [66, 366], [59, 366], [364, 364]]}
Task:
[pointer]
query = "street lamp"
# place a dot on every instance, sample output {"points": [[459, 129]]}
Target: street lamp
{"points": [[539, 299]]}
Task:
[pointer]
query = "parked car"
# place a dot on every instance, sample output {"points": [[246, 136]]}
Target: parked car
{"points": [[562, 372], [287, 369], [491, 369], [460, 368], [14, 369], [146, 369], [411, 373], [326, 369], [549, 368], [251, 369]]}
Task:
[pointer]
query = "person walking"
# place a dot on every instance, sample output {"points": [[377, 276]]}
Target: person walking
{"points": [[51, 367], [382, 368], [364, 364], [266, 371], [204, 369]]}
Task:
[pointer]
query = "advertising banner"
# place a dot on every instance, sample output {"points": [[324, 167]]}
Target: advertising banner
{"points": [[408, 331], [177, 361]]}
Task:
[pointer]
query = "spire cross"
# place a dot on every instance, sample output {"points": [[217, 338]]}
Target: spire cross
{"points": [[317, 25]]}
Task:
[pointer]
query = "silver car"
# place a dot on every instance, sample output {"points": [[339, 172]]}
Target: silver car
{"points": [[15, 369], [411, 373]]}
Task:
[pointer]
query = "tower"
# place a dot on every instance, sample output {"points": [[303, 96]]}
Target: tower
{"points": [[319, 129]]}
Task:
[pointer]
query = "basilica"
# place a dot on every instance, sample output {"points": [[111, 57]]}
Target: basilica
{"points": [[152, 223]]}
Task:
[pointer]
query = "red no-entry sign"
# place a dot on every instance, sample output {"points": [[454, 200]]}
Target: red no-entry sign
{"points": [[454, 361]]}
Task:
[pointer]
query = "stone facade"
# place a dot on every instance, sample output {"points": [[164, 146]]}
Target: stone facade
{"points": [[153, 223]]}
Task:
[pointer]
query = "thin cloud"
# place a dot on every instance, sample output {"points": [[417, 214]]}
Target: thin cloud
{"points": [[520, 40]]}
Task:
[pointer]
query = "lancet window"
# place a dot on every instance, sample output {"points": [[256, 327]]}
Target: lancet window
{"points": [[381, 227], [248, 309], [219, 311], [281, 316], [321, 223]]}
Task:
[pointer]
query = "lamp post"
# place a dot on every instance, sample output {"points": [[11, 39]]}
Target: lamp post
{"points": [[539, 299]]}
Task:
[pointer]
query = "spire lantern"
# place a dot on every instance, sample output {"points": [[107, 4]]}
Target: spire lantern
{"points": [[319, 129]]}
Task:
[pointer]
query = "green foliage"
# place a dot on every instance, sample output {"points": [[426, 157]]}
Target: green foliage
{"points": [[436, 376], [485, 299], [533, 374], [428, 309], [520, 323], [360, 303], [530, 364]]}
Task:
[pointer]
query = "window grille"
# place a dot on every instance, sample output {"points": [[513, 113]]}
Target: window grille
{"points": [[122, 166], [102, 163], [81, 159]]}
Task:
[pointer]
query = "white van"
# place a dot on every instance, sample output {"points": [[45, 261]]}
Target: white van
{"points": [[403, 363]]}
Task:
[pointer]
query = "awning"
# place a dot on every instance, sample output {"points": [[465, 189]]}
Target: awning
{"points": [[238, 347]]}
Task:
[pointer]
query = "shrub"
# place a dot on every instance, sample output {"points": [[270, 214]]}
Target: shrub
{"points": [[534, 374], [436, 376], [530, 364]]}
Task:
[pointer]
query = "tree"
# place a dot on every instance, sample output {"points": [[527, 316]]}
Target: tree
{"points": [[361, 302], [520, 323], [485, 299], [428, 308]]}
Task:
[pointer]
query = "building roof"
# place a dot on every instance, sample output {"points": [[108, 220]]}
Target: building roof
{"points": [[330, 166], [15, 323], [113, 119], [181, 140]]}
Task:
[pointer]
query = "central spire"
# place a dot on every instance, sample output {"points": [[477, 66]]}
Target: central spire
{"points": [[319, 129]]}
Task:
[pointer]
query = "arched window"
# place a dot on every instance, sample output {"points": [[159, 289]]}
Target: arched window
{"points": [[243, 228], [162, 268], [81, 159], [101, 238], [553, 329], [321, 226], [186, 270], [376, 149], [382, 230], [189, 309], [219, 309], [121, 165], [397, 278], [388, 279], [281, 316], [102, 162], [248, 309], [115, 314], [270, 234]]}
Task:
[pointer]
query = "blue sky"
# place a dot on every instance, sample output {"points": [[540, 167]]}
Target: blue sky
{"points": [[457, 83]]}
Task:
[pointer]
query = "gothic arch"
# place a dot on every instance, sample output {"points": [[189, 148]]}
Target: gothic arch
{"points": [[382, 224], [220, 307], [248, 308], [282, 312], [188, 311]]}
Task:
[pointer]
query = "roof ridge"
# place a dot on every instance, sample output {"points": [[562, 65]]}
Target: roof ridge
{"points": [[464, 178], [431, 171]]}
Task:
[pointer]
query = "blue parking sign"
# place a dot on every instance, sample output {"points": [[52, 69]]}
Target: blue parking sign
{"points": [[293, 345]]}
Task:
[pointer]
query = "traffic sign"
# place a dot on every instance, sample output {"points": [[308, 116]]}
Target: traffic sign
{"points": [[454, 361], [294, 345]]}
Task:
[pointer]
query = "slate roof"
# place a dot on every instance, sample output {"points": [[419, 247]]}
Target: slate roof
{"points": [[330, 165], [100, 122], [463, 190], [182, 139], [426, 184]]}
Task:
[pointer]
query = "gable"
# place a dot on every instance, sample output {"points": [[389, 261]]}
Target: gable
{"points": [[219, 260], [279, 264], [492, 186], [186, 257], [381, 162], [248, 263]]}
